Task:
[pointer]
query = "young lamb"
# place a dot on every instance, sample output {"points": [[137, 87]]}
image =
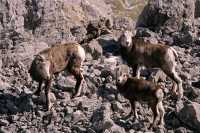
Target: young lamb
{"points": [[136, 52], [69, 56], [135, 89]]}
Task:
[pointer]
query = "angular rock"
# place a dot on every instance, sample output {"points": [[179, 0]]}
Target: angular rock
{"points": [[65, 83], [78, 116], [166, 16], [95, 49], [115, 129], [107, 124], [144, 32], [4, 123], [42, 97], [117, 107], [68, 110], [121, 23], [79, 32], [3, 85], [109, 44], [182, 130], [190, 115]]}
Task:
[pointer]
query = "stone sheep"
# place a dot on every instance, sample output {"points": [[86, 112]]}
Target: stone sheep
{"points": [[135, 89], [136, 52], [69, 56]]}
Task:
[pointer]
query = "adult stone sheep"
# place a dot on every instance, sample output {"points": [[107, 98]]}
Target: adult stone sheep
{"points": [[136, 52], [69, 56]]}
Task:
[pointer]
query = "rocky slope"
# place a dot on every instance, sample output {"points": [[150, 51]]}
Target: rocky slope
{"points": [[27, 27]]}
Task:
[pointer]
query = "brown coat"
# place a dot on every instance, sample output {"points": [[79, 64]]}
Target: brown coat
{"points": [[69, 56], [139, 89]]}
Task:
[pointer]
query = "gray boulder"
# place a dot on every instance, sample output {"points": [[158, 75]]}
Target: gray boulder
{"points": [[190, 115]]}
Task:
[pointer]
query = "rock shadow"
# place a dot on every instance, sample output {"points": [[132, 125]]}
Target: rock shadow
{"points": [[11, 104]]}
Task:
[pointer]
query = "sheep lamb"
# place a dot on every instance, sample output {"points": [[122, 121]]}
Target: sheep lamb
{"points": [[141, 90]]}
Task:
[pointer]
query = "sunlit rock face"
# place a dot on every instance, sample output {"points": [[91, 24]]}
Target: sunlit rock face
{"points": [[128, 8]]}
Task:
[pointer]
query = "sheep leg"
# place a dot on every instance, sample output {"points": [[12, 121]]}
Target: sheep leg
{"points": [[47, 94], [174, 76], [155, 110], [79, 81], [133, 109], [37, 92], [162, 112], [79, 85], [138, 71]]}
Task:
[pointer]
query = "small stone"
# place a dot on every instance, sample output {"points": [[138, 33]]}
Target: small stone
{"points": [[68, 110], [107, 123], [3, 85], [121, 23], [88, 56], [109, 79], [95, 49], [181, 130], [66, 130], [27, 91], [78, 116], [65, 82], [14, 117], [97, 72], [63, 95], [63, 104], [131, 131], [79, 129], [3, 130], [4, 123], [90, 130], [190, 115], [117, 107], [116, 129], [160, 130], [42, 97], [110, 97], [40, 113]]}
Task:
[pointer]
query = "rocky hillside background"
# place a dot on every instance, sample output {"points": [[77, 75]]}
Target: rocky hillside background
{"points": [[29, 26]]}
